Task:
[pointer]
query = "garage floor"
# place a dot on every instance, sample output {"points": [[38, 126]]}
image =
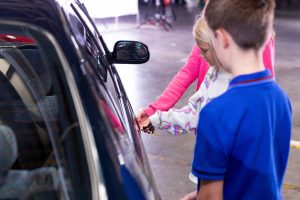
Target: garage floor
{"points": [[170, 156]]}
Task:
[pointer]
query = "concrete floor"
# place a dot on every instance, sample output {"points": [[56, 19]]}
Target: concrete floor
{"points": [[170, 156]]}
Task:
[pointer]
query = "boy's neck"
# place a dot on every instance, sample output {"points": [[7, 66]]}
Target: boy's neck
{"points": [[247, 62]]}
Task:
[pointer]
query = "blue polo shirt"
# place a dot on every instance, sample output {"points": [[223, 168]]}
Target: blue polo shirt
{"points": [[243, 138]]}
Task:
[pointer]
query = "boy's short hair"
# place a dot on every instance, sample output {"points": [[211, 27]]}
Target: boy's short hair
{"points": [[249, 22]]}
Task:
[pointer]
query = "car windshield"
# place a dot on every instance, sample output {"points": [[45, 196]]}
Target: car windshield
{"points": [[41, 151]]}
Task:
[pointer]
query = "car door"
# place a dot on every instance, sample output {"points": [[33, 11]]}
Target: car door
{"points": [[115, 102]]}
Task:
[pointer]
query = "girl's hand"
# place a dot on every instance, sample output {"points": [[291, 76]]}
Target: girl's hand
{"points": [[144, 122], [141, 116], [143, 119]]}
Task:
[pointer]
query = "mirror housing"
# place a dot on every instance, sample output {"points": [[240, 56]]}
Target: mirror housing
{"points": [[130, 52]]}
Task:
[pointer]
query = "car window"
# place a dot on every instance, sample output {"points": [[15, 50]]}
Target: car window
{"points": [[37, 110], [85, 37], [81, 12]]}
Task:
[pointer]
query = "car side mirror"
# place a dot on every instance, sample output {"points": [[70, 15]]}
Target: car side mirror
{"points": [[130, 52]]}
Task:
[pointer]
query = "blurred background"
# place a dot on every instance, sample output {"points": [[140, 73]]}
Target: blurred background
{"points": [[167, 30]]}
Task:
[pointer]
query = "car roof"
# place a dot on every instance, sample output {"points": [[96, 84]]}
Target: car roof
{"points": [[49, 15], [36, 11], [42, 13]]}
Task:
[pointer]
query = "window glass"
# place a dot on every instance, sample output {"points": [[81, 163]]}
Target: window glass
{"points": [[85, 37], [44, 157]]}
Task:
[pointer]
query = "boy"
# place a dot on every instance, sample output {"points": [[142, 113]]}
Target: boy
{"points": [[243, 136]]}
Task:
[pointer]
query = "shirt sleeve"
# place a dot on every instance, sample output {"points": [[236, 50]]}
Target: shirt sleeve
{"points": [[212, 147], [181, 81], [269, 55], [179, 121]]}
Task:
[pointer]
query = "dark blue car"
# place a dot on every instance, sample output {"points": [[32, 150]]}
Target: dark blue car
{"points": [[67, 129]]}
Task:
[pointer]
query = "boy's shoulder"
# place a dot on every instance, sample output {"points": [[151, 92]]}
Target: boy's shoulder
{"points": [[227, 98], [239, 99], [220, 106]]}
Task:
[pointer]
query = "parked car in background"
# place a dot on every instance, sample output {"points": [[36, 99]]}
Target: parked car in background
{"points": [[67, 129]]}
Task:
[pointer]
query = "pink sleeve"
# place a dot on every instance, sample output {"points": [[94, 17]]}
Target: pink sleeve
{"points": [[181, 81], [269, 55]]}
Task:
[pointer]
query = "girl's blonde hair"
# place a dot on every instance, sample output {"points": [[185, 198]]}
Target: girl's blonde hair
{"points": [[203, 34], [200, 31]]}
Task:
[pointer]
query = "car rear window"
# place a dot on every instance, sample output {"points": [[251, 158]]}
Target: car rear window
{"points": [[42, 156]]}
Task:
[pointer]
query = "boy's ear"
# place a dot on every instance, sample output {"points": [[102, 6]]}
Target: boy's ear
{"points": [[223, 37]]}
